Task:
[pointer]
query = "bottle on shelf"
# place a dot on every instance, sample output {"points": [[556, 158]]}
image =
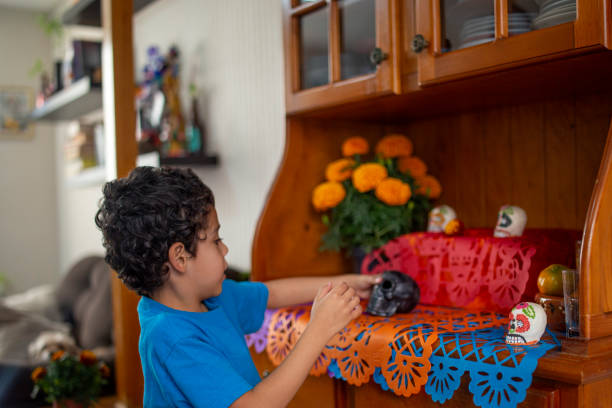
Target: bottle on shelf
{"points": [[195, 131]]}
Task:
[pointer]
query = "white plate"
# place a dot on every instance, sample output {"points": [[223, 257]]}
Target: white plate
{"points": [[475, 26], [511, 30], [491, 24], [491, 34], [550, 5], [555, 20], [476, 42], [555, 12], [512, 26]]}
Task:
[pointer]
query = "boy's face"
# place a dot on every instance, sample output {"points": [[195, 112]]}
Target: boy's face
{"points": [[207, 267]]}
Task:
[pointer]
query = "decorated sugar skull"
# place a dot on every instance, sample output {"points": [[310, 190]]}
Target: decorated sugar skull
{"points": [[511, 222], [527, 324], [440, 216], [396, 293]]}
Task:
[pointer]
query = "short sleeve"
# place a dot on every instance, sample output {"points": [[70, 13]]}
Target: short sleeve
{"points": [[250, 300], [203, 376]]}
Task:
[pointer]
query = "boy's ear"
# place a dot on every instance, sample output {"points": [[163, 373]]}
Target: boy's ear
{"points": [[177, 256]]}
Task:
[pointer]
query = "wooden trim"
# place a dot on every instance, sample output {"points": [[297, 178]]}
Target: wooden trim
{"points": [[307, 8], [398, 26], [120, 114], [334, 49], [596, 256], [436, 23], [424, 19], [260, 272], [350, 90], [294, 54], [547, 43], [607, 15], [501, 19], [386, 71], [591, 23]]}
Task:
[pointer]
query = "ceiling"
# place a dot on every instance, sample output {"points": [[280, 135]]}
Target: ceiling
{"points": [[32, 5]]}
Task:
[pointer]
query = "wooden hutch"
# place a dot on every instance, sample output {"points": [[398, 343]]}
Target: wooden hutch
{"points": [[521, 119]]}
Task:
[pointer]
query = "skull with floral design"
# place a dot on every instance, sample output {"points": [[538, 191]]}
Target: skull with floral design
{"points": [[527, 324], [439, 217], [511, 222]]}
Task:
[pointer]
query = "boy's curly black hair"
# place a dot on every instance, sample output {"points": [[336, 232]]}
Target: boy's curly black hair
{"points": [[142, 215]]}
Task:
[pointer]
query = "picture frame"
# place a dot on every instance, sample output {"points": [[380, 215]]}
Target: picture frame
{"points": [[16, 104]]}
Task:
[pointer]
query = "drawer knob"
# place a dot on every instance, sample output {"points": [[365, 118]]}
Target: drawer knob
{"points": [[377, 56], [419, 43]]}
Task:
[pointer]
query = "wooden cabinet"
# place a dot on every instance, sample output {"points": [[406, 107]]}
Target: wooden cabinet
{"points": [[470, 37], [328, 43], [340, 50], [524, 118]]}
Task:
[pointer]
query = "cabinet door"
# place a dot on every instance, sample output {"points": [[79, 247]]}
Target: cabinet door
{"points": [[468, 37], [337, 51]]}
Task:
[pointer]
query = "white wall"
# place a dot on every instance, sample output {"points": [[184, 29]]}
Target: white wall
{"points": [[28, 224], [77, 206], [233, 49]]}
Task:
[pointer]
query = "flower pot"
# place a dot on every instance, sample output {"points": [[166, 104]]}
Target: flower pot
{"points": [[357, 255], [68, 403]]}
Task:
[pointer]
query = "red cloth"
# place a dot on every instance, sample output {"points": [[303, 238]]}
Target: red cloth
{"points": [[475, 270]]}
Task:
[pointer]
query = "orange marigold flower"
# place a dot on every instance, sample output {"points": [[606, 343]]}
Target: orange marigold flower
{"points": [[429, 186], [393, 191], [327, 195], [38, 373], [355, 145], [394, 145], [367, 176], [104, 370], [88, 358], [339, 170], [57, 355], [412, 165]]}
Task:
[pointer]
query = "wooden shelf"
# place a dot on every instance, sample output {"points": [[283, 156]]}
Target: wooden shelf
{"points": [[87, 12], [70, 103], [208, 160]]}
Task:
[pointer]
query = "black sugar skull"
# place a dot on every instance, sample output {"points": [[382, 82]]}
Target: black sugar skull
{"points": [[396, 293]]}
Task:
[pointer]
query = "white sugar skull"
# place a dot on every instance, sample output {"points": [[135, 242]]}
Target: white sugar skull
{"points": [[511, 222], [527, 324], [440, 216]]}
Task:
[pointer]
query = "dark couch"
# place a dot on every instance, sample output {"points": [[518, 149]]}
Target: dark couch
{"points": [[81, 304]]}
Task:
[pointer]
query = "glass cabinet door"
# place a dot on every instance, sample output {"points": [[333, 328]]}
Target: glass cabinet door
{"points": [[314, 48], [467, 23], [462, 36], [336, 50], [357, 29]]}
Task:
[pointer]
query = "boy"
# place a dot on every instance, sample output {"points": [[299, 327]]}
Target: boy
{"points": [[161, 235]]}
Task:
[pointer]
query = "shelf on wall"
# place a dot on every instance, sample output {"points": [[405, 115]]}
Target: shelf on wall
{"points": [[87, 12], [95, 176], [208, 160], [72, 102]]}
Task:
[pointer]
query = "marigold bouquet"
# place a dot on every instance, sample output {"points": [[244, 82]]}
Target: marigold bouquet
{"points": [[71, 378], [373, 201]]}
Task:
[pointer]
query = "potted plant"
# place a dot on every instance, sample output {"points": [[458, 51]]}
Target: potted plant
{"points": [[70, 381], [368, 201]]}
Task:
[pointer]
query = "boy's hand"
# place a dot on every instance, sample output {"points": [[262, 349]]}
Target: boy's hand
{"points": [[362, 283], [333, 308]]}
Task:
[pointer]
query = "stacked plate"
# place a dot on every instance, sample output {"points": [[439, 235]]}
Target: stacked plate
{"points": [[554, 12], [481, 30]]}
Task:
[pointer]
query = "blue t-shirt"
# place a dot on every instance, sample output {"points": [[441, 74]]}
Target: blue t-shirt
{"points": [[201, 359]]}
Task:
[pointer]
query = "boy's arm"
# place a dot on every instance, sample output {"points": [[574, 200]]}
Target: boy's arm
{"points": [[294, 291], [331, 311]]}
